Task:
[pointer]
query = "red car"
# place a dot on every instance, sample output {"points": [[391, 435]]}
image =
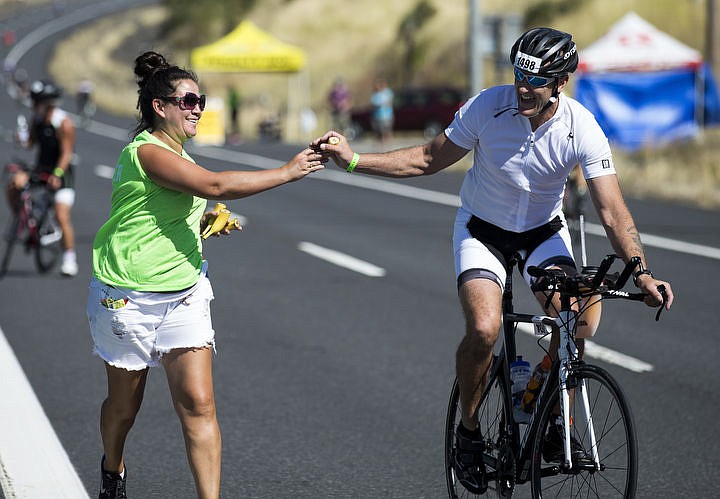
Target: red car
{"points": [[429, 109]]}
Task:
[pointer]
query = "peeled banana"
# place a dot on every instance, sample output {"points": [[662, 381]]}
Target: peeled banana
{"points": [[217, 223], [233, 224]]}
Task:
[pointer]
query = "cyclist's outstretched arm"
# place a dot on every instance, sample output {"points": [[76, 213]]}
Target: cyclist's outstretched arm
{"points": [[623, 234], [414, 161]]}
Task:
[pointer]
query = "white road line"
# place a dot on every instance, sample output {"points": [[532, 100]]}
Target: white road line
{"points": [[104, 171], [342, 260], [665, 243], [33, 463], [599, 352]]}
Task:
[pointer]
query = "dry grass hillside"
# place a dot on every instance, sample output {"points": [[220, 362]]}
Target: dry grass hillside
{"points": [[358, 41]]}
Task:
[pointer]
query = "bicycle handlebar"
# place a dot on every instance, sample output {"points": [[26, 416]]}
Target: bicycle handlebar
{"points": [[14, 167], [591, 282]]}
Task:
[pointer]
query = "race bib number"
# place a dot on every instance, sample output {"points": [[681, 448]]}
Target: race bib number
{"points": [[528, 63]]}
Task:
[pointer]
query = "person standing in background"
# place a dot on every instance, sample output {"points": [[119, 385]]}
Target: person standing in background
{"points": [[340, 100], [383, 114], [233, 98]]}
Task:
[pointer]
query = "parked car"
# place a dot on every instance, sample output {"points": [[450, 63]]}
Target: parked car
{"points": [[429, 109]]}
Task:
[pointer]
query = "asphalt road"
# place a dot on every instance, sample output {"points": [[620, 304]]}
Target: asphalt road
{"points": [[331, 383]]}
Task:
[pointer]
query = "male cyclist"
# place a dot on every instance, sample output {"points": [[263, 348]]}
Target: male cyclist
{"points": [[526, 139], [53, 131]]}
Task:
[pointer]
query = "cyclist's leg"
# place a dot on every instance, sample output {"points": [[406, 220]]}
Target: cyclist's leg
{"points": [[64, 200], [481, 301], [555, 252], [480, 279], [15, 186]]}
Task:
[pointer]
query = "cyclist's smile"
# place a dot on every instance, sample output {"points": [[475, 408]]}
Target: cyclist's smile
{"points": [[531, 99]]}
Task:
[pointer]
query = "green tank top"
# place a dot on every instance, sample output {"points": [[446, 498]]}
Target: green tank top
{"points": [[151, 242]]}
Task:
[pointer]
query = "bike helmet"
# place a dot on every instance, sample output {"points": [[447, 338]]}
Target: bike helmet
{"points": [[43, 90], [545, 51]]}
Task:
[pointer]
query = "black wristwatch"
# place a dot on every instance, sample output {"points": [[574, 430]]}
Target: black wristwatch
{"points": [[640, 272]]}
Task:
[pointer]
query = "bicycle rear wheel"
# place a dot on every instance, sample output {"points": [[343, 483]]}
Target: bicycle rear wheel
{"points": [[493, 415], [10, 237], [47, 248], [615, 437]]}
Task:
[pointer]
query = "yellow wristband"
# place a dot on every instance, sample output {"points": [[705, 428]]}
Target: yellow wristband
{"points": [[58, 172], [353, 163]]}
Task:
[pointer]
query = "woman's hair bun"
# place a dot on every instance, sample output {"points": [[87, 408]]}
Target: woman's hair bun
{"points": [[148, 63]]}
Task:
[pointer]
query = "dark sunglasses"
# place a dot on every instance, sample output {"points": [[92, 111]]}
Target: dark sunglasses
{"points": [[535, 81], [188, 101]]}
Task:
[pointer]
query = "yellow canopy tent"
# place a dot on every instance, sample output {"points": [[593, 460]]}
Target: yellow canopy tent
{"points": [[249, 49]]}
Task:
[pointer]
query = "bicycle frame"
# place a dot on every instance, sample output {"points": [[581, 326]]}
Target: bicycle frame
{"points": [[567, 354], [29, 226]]}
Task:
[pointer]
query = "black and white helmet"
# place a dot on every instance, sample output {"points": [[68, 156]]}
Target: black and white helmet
{"points": [[545, 51], [43, 90]]}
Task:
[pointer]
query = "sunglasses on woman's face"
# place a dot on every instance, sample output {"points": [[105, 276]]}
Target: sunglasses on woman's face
{"points": [[534, 81], [188, 101]]}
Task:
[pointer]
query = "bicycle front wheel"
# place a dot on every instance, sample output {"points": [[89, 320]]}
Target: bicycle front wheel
{"points": [[493, 415], [47, 248], [611, 422]]}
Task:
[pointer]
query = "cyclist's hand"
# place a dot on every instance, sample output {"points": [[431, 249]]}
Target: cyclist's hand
{"points": [[54, 182], [650, 286], [336, 145], [19, 180]]}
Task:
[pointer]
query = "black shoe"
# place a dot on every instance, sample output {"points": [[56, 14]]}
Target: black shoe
{"points": [[469, 462], [553, 449], [113, 484]]}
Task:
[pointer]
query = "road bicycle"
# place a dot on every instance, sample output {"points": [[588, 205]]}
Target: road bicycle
{"points": [[33, 222], [599, 457]]}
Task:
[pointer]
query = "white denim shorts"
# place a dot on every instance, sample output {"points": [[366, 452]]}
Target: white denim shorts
{"points": [[132, 330]]}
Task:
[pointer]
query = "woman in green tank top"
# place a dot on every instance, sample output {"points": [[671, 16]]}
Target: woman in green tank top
{"points": [[147, 259]]}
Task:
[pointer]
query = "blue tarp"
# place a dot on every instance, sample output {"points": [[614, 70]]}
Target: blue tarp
{"points": [[647, 109]]}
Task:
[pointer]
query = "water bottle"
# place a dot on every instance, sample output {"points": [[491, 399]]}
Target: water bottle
{"points": [[535, 384], [520, 376], [23, 131]]}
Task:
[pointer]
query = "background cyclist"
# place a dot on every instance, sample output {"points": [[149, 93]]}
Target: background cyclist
{"points": [[526, 138], [53, 132]]}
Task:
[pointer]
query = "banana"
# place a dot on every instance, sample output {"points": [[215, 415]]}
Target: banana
{"points": [[218, 223], [233, 224]]}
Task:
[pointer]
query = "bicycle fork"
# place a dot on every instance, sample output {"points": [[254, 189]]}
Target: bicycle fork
{"points": [[566, 353]]}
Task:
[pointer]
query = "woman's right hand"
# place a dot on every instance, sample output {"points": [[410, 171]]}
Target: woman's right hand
{"points": [[307, 161]]}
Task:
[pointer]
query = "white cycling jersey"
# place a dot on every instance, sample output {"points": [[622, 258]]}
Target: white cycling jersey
{"points": [[518, 176]]}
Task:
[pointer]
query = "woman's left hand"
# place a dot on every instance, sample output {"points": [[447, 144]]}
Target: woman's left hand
{"points": [[210, 216]]}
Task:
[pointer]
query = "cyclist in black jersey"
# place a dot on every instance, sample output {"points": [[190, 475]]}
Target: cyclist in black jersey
{"points": [[53, 132]]}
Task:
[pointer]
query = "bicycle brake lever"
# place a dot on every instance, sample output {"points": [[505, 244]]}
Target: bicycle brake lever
{"points": [[663, 292]]}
